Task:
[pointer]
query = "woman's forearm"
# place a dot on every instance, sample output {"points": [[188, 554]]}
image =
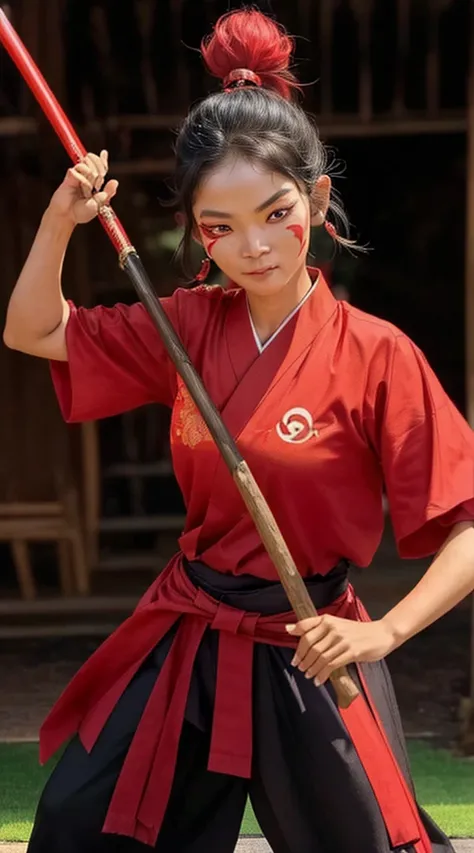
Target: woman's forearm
{"points": [[37, 305], [449, 579]]}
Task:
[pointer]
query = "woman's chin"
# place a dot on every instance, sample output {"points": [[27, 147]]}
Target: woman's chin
{"points": [[269, 284]]}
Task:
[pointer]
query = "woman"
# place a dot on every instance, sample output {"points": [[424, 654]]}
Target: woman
{"points": [[210, 692]]}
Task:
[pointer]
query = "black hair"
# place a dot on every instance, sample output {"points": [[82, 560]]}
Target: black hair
{"points": [[257, 121]]}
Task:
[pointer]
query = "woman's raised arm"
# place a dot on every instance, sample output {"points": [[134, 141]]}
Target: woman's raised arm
{"points": [[38, 313]]}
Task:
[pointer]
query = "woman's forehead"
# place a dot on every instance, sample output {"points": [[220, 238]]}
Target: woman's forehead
{"points": [[239, 186]]}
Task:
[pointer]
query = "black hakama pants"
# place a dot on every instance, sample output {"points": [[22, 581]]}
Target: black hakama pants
{"points": [[308, 788]]}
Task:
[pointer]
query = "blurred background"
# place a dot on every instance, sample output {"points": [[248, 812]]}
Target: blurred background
{"points": [[89, 514]]}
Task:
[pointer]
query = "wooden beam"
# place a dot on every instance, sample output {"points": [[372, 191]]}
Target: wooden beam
{"points": [[18, 126], [160, 121], [37, 632], [60, 606], [161, 468], [352, 127], [145, 166], [142, 524], [341, 125], [470, 240], [334, 124], [469, 297], [470, 276], [347, 126]]}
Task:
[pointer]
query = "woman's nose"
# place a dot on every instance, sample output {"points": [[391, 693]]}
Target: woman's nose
{"points": [[255, 246]]}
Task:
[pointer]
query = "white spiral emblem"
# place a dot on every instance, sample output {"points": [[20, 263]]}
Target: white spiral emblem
{"points": [[296, 426]]}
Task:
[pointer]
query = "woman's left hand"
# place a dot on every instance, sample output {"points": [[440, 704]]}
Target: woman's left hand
{"points": [[329, 642]]}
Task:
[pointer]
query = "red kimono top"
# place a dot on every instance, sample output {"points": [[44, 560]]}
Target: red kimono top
{"points": [[338, 406]]}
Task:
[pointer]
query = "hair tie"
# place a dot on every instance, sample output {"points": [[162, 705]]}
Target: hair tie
{"points": [[240, 77]]}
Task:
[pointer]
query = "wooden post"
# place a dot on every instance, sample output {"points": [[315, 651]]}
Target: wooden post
{"points": [[326, 16], [470, 277], [432, 61], [403, 37], [363, 10]]}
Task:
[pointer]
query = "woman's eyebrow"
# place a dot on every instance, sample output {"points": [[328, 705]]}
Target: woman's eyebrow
{"points": [[272, 199], [223, 215]]}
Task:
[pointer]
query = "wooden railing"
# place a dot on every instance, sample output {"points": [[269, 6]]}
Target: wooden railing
{"points": [[372, 66]]}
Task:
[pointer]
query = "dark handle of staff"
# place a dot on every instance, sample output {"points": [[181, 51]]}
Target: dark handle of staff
{"points": [[345, 688]]}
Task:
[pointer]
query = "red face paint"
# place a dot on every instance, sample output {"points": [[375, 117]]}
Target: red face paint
{"points": [[299, 232], [211, 245], [208, 232]]}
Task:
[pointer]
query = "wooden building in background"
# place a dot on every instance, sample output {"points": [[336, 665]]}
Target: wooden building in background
{"points": [[82, 505]]}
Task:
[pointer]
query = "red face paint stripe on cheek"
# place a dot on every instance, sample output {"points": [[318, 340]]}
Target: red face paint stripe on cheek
{"points": [[298, 231], [209, 245]]}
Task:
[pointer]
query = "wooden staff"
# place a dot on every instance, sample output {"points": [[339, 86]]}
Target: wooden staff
{"points": [[129, 260]]}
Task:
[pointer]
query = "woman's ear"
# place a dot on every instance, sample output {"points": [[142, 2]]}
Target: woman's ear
{"points": [[320, 198]]}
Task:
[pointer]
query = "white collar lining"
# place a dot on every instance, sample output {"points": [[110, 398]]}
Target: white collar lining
{"points": [[282, 325]]}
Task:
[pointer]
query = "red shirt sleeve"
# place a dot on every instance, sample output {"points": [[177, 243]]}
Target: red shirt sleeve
{"points": [[116, 362], [426, 450]]}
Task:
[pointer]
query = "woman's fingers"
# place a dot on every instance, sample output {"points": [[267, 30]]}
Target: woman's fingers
{"points": [[323, 670], [89, 173], [82, 192], [104, 158], [324, 663], [306, 643], [93, 169], [97, 169], [111, 188], [107, 193], [84, 169], [321, 647], [81, 180]]}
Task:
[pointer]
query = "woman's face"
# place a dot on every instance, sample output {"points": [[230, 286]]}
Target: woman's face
{"points": [[254, 224]]}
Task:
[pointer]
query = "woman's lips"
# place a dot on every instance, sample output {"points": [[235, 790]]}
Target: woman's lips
{"points": [[264, 271]]}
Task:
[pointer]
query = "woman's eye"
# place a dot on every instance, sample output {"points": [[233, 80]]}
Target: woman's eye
{"points": [[214, 230], [279, 214]]}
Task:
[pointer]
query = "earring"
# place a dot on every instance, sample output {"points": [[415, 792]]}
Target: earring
{"points": [[331, 229], [204, 271]]}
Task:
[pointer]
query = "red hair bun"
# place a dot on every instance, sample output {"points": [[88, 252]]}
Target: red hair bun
{"points": [[248, 39]]}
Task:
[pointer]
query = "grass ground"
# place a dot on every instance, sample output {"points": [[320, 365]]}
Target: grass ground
{"points": [[445, 787]]}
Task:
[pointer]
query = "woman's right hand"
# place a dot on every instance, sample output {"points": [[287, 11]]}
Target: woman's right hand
{"points": [[82, 193]]}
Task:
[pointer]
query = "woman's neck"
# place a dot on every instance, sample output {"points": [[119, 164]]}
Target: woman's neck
{"points": [[269, 312]]}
